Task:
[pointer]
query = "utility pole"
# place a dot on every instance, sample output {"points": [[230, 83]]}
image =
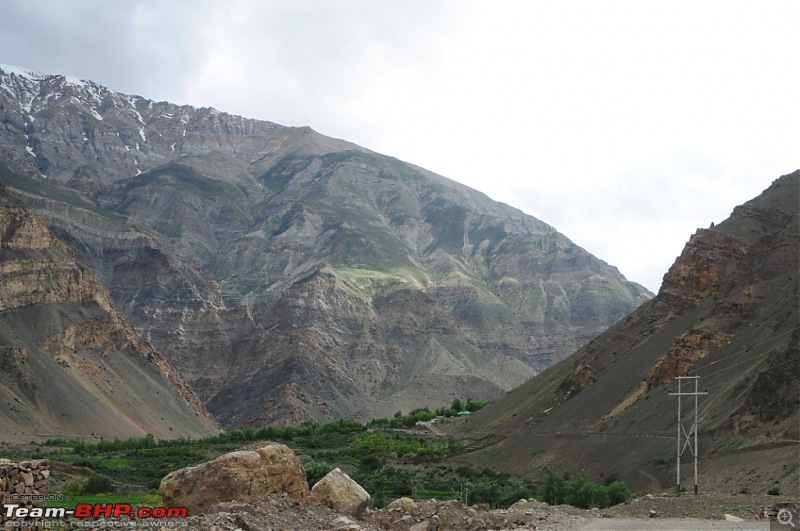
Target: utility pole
{"points": [[682, 443]]}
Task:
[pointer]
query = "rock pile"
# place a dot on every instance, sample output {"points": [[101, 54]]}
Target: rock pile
{"points": [[24, 483], [405, 514], [281, 511], [266, 488], [277, 511], [251, 475]]}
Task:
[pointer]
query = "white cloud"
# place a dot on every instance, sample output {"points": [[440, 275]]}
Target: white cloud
{"points": [[626, 124]]}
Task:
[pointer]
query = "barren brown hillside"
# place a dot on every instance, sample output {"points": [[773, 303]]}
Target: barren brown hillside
{"points": [[727, 311]]}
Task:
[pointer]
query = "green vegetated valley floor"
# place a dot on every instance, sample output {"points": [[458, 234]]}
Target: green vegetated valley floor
{"points": [[390, 458]]}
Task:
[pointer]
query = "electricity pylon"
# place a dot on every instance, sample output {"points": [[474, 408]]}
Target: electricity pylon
{"points": [[682, 443]]}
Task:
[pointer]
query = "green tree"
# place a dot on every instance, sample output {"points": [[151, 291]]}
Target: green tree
{"points": [[379, 488], [583, 492], [476, 405], [484, 492], [555, 490], [587, 494], [454, 445]]}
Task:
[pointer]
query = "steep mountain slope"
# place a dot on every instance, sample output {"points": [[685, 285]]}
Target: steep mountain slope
{"points": [[288, 275], [71, 364], [729, 312]]}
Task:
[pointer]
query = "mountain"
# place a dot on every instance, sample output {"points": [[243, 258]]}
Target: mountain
{"points": [[71, 364], [288, 275], [729, 312]]}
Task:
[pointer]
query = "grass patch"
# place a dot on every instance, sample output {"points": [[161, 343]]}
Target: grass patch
{"points": [[366, 282], [184, 178]]}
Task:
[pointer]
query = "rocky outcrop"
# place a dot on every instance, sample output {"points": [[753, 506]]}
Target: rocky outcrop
{"points": [[687, 349], [708, 258], [244, 476], [31, 255], [72, 364], [288, 276], [339, 492], [581, 377]]}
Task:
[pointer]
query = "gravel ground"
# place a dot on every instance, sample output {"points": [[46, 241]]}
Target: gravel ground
{"points": [[669, 513], [672, 513], [666, 524], [705, 506]]}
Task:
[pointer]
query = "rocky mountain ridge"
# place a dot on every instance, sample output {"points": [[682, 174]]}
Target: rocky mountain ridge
{"points": [[287, 275], [727, 312], [72, 365]]}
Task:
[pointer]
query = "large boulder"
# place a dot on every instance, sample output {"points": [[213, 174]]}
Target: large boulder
{"points": [[244, 476], [338, 491]]}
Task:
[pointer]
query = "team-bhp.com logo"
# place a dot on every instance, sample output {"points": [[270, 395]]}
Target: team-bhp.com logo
{"points": [[122, 514]]}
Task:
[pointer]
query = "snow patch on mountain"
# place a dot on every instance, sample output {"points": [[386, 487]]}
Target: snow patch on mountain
{"points": [[21, 83], [22, 72], [132, 101], [75, 81]]}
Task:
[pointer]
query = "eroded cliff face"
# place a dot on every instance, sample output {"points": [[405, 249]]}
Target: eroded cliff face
{"points": [[687, 349], [72, 365], [39, 269], [287, 275]]}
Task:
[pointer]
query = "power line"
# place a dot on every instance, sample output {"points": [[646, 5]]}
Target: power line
{"points": [[762, 354], [772, 338], [733, 379]]}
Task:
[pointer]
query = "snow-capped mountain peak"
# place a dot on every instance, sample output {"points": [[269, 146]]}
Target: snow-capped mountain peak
{"points": [[22, 72]]}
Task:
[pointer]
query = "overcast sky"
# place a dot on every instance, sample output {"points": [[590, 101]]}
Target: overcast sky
{"points": [[624, 124]]}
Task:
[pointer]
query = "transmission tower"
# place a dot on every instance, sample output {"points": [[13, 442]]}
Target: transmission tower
{"points": [[685, 438]]}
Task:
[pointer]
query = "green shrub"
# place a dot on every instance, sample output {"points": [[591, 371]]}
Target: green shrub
{"points": [[97, 484], [617, 492], [465, 471], [316, 470], [73, 488], [372, 462]]}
